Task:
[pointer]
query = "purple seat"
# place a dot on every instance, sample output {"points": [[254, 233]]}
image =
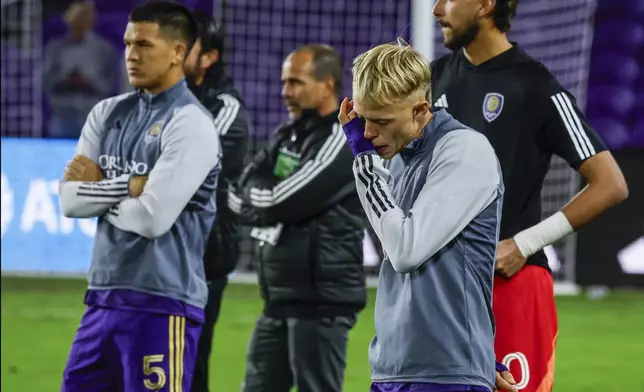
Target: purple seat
{"points": [[614, 68], [127, 5], [638, 106], [637, 135], [639, 83], [111, 27], [612, 131], [622, 35], [610, 100], [620, 8]]}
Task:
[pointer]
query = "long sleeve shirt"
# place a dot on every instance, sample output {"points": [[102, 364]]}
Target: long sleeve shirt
{"points": [[152, 244], [436, 209]]}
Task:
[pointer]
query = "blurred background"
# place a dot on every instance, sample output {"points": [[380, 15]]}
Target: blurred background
{"points": [[594, 47]]}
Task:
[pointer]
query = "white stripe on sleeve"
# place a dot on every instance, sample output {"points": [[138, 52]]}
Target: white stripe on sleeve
{"points": [[263, 198], [227, 113], [579, 127]]}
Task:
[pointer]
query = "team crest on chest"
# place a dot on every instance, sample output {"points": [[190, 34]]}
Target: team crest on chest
{"points": [[492, 106], [153, 133]]}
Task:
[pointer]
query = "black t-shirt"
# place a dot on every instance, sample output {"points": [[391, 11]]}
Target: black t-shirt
{"points": [[526, 114]]}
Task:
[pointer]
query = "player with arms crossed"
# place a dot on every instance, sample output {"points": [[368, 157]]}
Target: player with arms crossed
{"points": [[493, 86], [435, 205], [159, 153]]}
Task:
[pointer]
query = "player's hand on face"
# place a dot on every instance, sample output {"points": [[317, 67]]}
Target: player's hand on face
{"points": [[81, 168], [505, 382], [346, 112], [137, 183], [509, 259], [354, 129]]}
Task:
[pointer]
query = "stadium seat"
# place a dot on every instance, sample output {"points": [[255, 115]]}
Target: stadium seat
{"points": [[638, 106], [620, 8], [637, 135], [616, 80], [624, 35], [611, 100], [615, 68], [613, 131], [111, 27]]}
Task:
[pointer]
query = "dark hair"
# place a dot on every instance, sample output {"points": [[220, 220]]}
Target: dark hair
{"points": [[326, 62], [175, 21], [504, 12], [210, 33]]}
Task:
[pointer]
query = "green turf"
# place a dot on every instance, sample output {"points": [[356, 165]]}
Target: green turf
{"points": [[601, 342]]}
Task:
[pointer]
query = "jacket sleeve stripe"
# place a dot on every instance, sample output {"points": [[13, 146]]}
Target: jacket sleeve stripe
{"points": [[374, 206], [227, 114], [373, 188], [324, 157], [378, 184], [328, 152]]}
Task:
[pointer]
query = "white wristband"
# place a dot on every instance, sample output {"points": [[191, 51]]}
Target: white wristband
{"points": [[550, 230]]}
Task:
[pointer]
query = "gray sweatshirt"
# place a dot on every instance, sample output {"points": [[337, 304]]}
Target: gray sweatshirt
{"points": [[436, 208], [148, 250]]}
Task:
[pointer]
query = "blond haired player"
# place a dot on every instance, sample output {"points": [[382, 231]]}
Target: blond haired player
{"points": [[435, 204]]}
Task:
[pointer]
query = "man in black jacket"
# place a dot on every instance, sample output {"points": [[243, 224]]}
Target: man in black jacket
{"points": [[216, 91], [300, 195]]}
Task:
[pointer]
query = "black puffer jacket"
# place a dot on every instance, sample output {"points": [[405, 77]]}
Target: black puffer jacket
{"points": [[219, 95], [303, 184]]}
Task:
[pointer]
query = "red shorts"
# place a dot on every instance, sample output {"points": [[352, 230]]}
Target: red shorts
{"points": [[526, 327]]}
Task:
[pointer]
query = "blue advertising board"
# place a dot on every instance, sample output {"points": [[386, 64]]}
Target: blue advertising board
{"points": [[36, 237]]}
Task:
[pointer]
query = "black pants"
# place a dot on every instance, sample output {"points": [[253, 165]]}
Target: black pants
{"points": [[307, 354], [215, 294]]}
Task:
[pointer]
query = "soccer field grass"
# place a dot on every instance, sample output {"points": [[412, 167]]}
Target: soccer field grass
{"points": [[601, 342]]}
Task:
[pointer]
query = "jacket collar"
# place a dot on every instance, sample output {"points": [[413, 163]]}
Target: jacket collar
{"points": [[168, 95], [417, 146], [311, 119]]}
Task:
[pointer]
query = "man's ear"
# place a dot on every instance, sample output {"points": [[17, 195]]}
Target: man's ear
{"points": [[208, 59], [180, 54], [487, 8], [329, 82], [421, 109]]}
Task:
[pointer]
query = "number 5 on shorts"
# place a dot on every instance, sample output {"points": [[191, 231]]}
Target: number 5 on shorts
{"points": [[151, 371]]}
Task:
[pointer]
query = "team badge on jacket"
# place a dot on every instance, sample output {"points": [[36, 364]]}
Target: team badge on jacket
{"points": [[153, 133], [492, 106]]}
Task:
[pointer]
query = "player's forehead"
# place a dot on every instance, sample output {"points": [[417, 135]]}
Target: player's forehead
{"points": [[298, 64], [388, 113], [141, 31]]}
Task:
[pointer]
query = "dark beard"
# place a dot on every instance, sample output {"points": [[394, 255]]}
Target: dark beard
{"points": [[463, 39]]}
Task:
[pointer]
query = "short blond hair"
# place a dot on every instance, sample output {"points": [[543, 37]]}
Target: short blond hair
{"points": [[389, 74]]}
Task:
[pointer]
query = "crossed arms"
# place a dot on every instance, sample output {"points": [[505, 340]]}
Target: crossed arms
{"points": [[147, 205]]}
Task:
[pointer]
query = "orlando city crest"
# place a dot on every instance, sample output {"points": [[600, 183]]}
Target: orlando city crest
{"points": [[492, 106], [153, 133]]}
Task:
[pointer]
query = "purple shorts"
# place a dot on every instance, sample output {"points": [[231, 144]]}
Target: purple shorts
{"points": [[424, 387], [133, 351]]}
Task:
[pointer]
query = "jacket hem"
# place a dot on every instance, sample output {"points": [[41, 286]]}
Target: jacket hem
{"points": [[310, 312]]}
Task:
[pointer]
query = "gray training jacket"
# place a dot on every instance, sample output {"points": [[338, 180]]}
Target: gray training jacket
{"points": [[436, 208], [148, 251]]}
